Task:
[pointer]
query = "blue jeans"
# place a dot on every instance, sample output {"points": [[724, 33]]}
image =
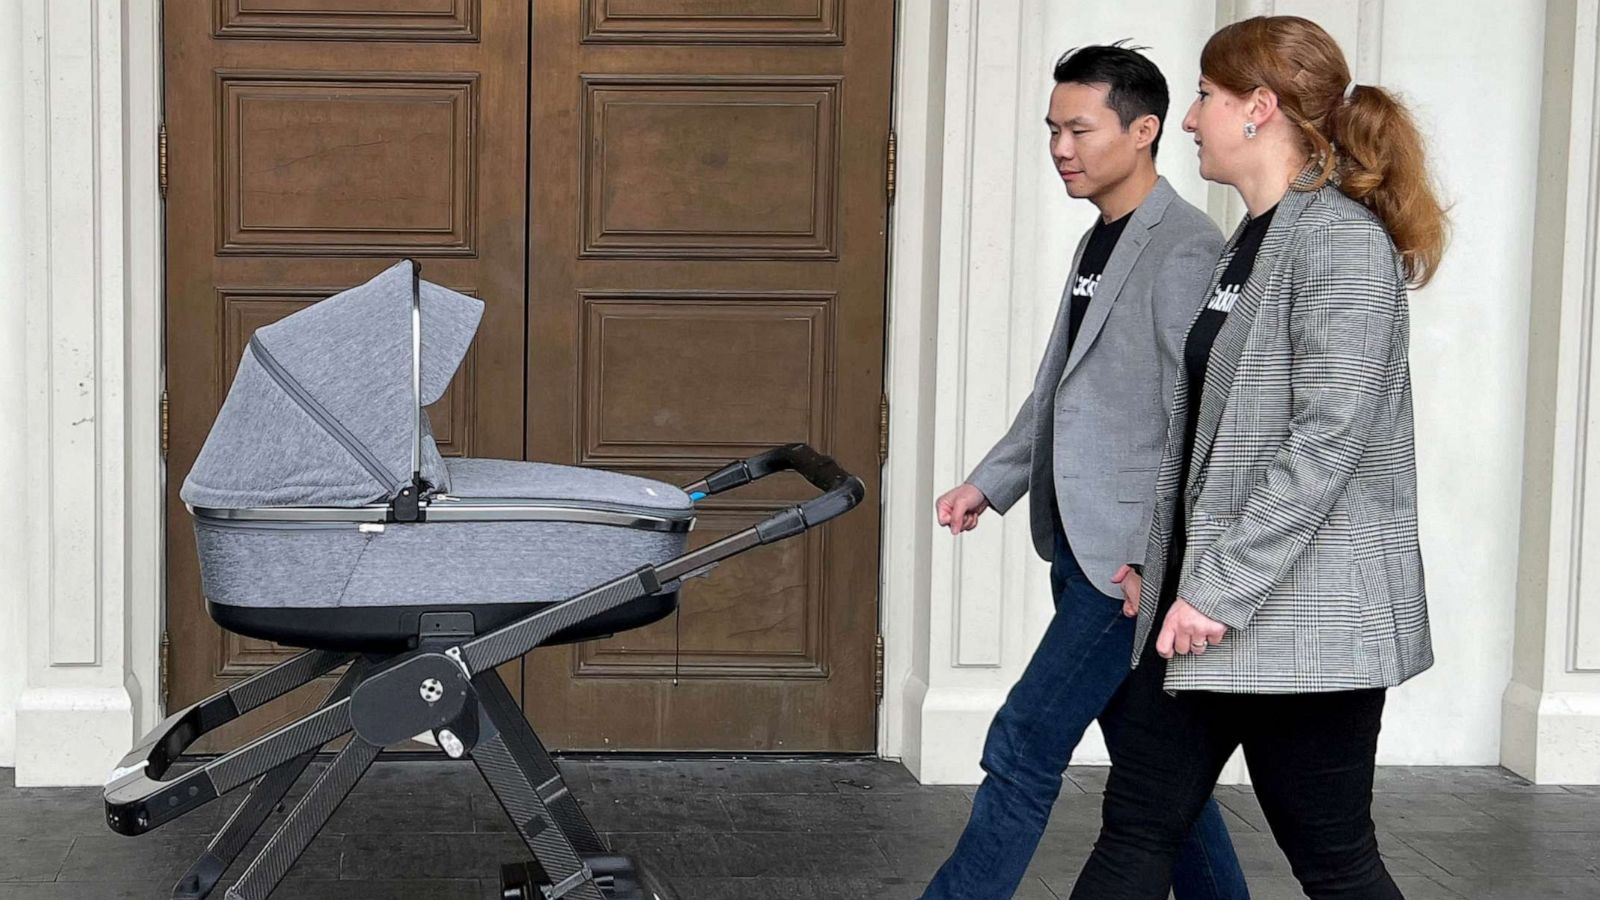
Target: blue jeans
{"points": [[1081, 661]]}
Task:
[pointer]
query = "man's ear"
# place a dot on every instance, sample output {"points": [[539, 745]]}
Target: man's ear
{"points": [[1145, 130]]}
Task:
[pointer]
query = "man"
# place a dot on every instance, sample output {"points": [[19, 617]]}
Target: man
{"points": [[1085, 447]]}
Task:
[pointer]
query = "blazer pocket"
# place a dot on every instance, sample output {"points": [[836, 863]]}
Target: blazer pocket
{"points": [[1204, 530], [1136, 485]]}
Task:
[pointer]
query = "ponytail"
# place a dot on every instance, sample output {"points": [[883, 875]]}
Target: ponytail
{"points": [[1381, 163]]}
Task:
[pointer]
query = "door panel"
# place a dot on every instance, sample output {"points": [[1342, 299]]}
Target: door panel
{"points": [[707, 280]]}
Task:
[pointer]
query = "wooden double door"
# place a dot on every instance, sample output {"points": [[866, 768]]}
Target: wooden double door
{"points": [[675, 213]]}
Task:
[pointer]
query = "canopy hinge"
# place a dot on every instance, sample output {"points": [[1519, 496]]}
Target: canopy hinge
{"points": [[407, 505]]}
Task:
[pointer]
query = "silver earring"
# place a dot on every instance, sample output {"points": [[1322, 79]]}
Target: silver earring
{"points": [[1249, 130]]}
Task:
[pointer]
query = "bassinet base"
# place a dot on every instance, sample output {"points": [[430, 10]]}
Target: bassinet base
{"points": [[397, 628]]}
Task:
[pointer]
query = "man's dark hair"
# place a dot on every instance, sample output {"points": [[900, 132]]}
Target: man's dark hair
{"points": [[1136, 87]]}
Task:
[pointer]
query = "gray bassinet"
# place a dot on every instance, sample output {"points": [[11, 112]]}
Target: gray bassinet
{"points": [[320, 489]]}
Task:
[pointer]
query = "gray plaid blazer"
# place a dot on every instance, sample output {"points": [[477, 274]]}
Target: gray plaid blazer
{"points": [[1302, 493]]}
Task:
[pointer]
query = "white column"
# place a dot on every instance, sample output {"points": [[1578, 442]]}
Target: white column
{"points": [[89, 489], [921, 33], [984, 346], [1551, 726], [13, 440]]}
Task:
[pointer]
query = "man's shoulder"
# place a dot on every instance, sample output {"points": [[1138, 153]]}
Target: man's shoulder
{"points": [[1183, 222]]}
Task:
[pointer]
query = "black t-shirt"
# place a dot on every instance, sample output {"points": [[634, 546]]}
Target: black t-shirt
{"points": [[1093, 264], [1196, 356]]}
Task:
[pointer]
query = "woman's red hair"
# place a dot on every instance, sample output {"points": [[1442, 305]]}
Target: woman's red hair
{"points": [[1369, 139]]}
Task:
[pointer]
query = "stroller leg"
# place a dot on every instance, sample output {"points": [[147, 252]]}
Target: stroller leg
{"points": [[531, 791], [305, 820], [536, 763], [268, 791]]}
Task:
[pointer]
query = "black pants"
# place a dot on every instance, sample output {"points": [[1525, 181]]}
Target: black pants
{"points": [[1311, 759]]}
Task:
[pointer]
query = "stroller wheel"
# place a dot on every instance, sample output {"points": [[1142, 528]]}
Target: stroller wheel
{"points": [[622, 878], [654, 888], [518, 883], [618, 877]]}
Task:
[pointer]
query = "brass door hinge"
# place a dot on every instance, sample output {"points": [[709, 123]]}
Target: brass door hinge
{"points": [[166, 419], [161, 159], [889, 181], [883, 429], [165, 676], [877, 670]]}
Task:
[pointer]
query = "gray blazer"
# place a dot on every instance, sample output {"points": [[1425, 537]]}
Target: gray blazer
{"points": [[1097, 418], [1302, 488]]}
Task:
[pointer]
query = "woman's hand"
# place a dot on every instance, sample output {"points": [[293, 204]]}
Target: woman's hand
{"points": [[1186, 630], [1131, 585]]}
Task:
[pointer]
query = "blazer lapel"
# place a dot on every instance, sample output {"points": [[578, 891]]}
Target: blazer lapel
{"points": [[1123, 257], [1055, 351], [1229, 346]]}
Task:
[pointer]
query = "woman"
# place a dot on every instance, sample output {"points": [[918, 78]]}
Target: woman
{"points": [[1283, 568]]}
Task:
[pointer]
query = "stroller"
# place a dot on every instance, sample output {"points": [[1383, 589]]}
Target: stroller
{"points": [[325, 518]]}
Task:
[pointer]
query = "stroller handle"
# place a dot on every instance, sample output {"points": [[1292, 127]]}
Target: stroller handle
{"points": [[841, 491]]}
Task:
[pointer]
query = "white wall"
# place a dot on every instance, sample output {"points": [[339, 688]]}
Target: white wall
{"points": [[1004, 241], [1551, 726], [13, 571]]}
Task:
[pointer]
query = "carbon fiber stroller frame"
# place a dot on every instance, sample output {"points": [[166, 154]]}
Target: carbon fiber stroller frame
{"points": [[448, 686]]}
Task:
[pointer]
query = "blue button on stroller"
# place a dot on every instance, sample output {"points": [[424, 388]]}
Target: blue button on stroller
{"points": [[325, 518]]}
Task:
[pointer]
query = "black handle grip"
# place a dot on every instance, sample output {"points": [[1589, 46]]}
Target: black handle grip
{"points": [[823, 473], [841, 491]]}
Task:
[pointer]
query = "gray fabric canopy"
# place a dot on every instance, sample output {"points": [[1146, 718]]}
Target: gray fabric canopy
{"points": [[321, 412]]}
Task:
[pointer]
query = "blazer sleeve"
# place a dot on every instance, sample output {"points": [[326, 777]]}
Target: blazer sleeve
{"points": [[1345, 306], [1003, 473]]}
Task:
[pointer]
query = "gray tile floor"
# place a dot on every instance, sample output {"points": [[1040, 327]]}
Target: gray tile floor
{"points": [[775, 830]]}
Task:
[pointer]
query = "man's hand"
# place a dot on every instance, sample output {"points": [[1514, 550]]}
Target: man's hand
{"points": [[1186, 630], [1131, 583], [960, 508]]}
